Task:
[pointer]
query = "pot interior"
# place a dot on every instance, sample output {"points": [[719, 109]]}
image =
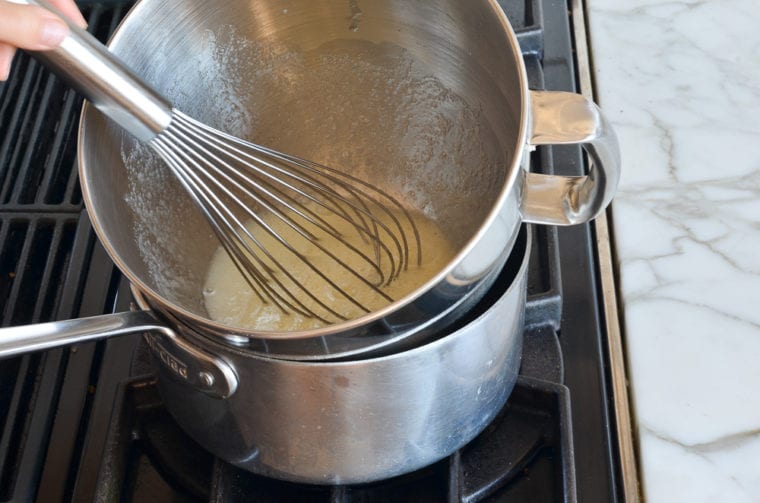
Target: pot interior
{"points": [[420, 98]]}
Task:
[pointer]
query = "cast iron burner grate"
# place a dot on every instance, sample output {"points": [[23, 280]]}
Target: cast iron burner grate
{"points": [[86, 423]]}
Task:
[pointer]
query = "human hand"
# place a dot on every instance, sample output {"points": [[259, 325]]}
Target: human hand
{"points": [[34, 28]]}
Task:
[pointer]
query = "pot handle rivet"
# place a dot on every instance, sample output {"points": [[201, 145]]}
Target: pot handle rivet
{"points": [[191, 365], [206, 378]]}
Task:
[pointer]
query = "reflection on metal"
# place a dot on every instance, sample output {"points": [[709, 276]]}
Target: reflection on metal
{"points": [[561, 118], [623, 418]]}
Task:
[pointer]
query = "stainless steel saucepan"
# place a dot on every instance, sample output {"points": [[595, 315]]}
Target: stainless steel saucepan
{"points": [[337, 422], [361, 420], [428, 100]]}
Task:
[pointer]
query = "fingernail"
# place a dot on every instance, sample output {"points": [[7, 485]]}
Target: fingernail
{"points": [[53, 33]]}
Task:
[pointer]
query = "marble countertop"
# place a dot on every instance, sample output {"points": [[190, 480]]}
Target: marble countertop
{"points": [[680, 81]]}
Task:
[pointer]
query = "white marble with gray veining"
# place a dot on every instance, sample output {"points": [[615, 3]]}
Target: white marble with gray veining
{"points": [[680, 81]]}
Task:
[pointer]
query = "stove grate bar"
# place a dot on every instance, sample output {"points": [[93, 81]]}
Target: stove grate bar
{"points": [[39, 116], [527, 19], [59, 183], [15, 123], [544, 302], [22, 231], [16, 394], [39, 149], [35, 257], [40, 253]]}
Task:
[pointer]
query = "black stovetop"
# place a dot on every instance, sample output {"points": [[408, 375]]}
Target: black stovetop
{"points": [[86, 423]]}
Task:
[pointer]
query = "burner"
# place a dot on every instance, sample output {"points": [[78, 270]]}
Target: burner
{"points": [[520, 451], [148, 455]]}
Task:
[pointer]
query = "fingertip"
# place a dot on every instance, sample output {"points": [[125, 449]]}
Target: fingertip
{"points": [[71, 11], [6, 57], [75, 15], [80, 20]]}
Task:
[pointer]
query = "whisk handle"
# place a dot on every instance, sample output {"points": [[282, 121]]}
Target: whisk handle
{"points": [[99, 76]]}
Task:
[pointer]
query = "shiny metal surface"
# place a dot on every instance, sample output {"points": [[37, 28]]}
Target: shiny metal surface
{"points": [[41, 336], [361, 420], [470, 48], [560, 118], [209, 375], [101, 78]]}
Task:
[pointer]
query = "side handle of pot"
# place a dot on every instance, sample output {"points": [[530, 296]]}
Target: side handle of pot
{"points": [[561, 118], [204, 372]]}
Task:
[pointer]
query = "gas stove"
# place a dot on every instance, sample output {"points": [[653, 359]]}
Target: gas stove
{"points": [[86, 423]]}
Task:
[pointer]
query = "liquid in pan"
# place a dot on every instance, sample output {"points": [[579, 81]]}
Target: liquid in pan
{"points": [[231, 301]]}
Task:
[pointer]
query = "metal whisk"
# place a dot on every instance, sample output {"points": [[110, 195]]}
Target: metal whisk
{"points": [[234, 181], [231, 179]]}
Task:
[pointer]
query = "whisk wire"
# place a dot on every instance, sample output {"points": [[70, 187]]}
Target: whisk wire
{"points": [[228, 178], [285, 218], [213, 212], [233, 244], [350, 184], [254, 164], [256, 189]]}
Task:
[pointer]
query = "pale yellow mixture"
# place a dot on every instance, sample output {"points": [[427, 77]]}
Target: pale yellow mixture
{"points": [[231, 301]]}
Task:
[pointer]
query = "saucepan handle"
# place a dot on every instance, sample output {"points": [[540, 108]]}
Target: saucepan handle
{"points": [[206, 373], [23, 339], [560, 118]]}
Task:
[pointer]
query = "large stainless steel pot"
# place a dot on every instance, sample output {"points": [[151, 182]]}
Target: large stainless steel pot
{"points": [[212, 59], [330, 422]]}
